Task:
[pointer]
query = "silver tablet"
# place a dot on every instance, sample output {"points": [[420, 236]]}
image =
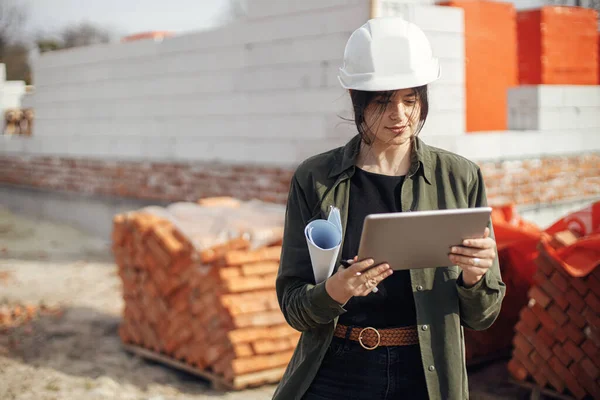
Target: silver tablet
{"points": [[419, 239]]}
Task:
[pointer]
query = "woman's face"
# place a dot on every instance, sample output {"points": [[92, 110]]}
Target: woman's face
{"points": [[393, 119]]}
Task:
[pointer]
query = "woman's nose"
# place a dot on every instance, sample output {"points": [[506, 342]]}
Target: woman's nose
{"points": [[398, 111]]}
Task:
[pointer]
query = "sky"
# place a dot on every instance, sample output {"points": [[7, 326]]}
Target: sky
{"points": [[125, 16]]}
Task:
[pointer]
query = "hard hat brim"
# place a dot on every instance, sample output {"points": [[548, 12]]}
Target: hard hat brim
{"points": [[371, 82]]}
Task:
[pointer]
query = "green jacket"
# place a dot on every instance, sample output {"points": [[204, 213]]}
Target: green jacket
{"points": [[437, 179]]}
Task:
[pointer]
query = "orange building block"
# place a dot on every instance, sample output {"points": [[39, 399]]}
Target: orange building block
{"points": [[558, 45], [491, 61]]}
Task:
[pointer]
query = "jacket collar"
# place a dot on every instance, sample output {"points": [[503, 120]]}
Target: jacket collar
{"points": [[345, 159]]}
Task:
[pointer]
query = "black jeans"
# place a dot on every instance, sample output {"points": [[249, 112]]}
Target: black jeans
{"points": [[349, 372]]}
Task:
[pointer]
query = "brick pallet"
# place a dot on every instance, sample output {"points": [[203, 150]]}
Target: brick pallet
{"points": [[557, 340], [213, 309]]}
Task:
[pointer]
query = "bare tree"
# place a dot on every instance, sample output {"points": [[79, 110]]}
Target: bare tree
{"points": [[12, 20], [84, 34]]}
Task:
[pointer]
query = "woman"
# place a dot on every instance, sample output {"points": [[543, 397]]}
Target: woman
{"points": [[404, 340]]}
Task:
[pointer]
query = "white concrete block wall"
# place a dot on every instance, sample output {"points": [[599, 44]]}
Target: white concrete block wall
{"points": [[554, 107], [271, 76], [12, 92], [267, 8]]}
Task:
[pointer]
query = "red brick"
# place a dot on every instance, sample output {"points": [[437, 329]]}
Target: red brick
{"points": [[573, 350], [517, 370], [525, 360], [567, 377], [593, 302], [562, 355], [579, 285], [589, 368], [544, 267], [540, 378], [522, 344], [591, 350], [594, 284], [556, 295], [553, 377], [544, 317], [525, 330], [546, 338], [576, 318], [573, 333], [559, 281], [539, 296], [528, 318], [557, 315], [575, 300], [593, 388]]}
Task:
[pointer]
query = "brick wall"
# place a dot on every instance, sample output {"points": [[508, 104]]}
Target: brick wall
{"points": [[530, 181]]}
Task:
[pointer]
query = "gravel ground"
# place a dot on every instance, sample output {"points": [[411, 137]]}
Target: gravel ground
{"points": [[77, 353]]}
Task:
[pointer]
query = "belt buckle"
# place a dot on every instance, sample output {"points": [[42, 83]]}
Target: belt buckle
{"points": [[367, 347]]}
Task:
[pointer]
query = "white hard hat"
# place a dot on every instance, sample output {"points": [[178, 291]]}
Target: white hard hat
{"points": [[388, 53]]}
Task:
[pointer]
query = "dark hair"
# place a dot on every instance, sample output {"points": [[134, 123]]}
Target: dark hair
{"points": [[362, 99]]}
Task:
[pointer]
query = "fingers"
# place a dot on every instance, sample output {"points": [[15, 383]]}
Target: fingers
{"points": [[473, 252], [373, 278], [469, 262], [485, 243], [360, 266]]}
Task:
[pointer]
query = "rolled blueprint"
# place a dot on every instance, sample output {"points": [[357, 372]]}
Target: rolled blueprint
{"points": [[324, 238]]}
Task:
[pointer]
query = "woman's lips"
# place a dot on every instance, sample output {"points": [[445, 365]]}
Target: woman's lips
{"points": [[397, 129]]}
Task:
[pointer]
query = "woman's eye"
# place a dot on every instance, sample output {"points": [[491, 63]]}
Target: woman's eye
{"points": [[410, 102]]}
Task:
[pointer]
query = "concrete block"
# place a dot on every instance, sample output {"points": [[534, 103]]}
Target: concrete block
{"points": [[446, 97], [12, 144], [227, 58], [523, 118], [329, 100], [453, 72], [544, 96], [444, 122], [292, 126], [298, 50], [522, 97], [423, 13], [97, 53], [557, 119], [288, 76], [581, 96], [447, 45], [313, 23], [267, 8], [588, 117], [219, 37]]}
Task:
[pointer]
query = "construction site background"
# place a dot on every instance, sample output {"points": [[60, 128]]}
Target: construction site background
{"points": [[120, 141]]}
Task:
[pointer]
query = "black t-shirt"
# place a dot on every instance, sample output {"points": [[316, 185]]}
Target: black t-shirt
{"points": [[393, 305]]}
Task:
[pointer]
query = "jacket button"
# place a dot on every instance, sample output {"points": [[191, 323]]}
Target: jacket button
{"points": [[431, 368], [420, 288], [425, 327]]}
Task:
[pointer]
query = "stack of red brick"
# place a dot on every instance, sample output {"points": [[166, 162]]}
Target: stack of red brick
{"points": [[557, 340], [213, 307], [14, 315], [516, 240]]}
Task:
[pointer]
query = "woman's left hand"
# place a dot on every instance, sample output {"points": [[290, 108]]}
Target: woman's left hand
{"points": [[474, 257]]}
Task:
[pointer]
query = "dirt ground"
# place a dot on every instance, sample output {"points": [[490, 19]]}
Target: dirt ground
{"points": [[76, 353]]}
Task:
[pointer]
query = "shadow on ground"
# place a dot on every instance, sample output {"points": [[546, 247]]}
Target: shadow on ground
{"points": [[84, 342]]}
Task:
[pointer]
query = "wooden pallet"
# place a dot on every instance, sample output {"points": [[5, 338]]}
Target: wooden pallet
{"points": [[216, 382]]}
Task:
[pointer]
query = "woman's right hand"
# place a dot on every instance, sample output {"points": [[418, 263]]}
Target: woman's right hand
{"points": [[359, 279]]}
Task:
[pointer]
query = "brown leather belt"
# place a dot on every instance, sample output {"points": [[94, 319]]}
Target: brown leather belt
{"points": [[371, 338]]}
